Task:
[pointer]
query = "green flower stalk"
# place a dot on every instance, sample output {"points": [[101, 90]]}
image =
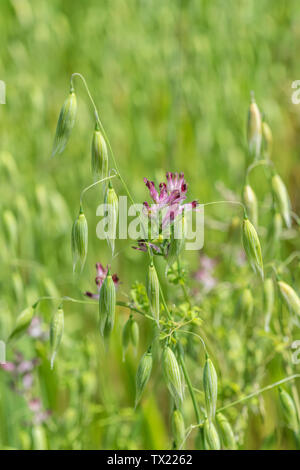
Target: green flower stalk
{"points": [[210, 385], [79, 240], [143, 375], [65, 123], [56, 332], [252, 247]]}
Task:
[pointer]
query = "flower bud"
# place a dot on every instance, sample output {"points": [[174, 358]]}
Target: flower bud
{"points": [[178, 429], [226, 432], [56, 332], [254, 129], [172, 375], [282, 199], [112, 203], [152, 285], [143, 375], [250, 202], [290, 297], [289, 410], [65, 123], [210, 385], [99, 155], [211, 437], [107, 305], [79, 240], [252, 247]]}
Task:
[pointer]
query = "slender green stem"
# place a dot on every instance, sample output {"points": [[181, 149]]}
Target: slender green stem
{"points": [[258, 392], [256, 164], [190, 387], [225, 202], [94, 184]]}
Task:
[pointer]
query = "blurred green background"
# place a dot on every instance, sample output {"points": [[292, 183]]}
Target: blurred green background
{"points": [[172, 81]]}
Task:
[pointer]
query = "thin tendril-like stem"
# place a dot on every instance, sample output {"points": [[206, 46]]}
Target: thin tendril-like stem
{"points": [[225, 202], [94, 184], [258, 392], [256, 164]]}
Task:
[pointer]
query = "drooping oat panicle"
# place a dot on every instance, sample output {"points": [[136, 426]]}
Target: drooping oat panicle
{"points": [[107, 305], [282, 199], [173, 376], [211, 437], [79, 240], [246, 304], [65, 123], [289, 410], [152, 284], [290, 297], [269, 298], [252, 247], [226, 432], [112, 203], [267, 140], [210, 385], [99, 155], [254, 129], [178, 429], [56, 332], [250, 202], [143, 375], [22, 323]]}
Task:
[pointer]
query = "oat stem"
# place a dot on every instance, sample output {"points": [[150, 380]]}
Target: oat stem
{"points": [[94, 184]]}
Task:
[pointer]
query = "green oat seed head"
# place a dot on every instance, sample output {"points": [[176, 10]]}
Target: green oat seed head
{"points": [[289, 410], [172, 374], [107, 306], [254, 129], [282, 199], [65, 123], [226, 432], [143, 375], [210, 385], [211, 437], [178, 429], [56, 332], [22, 323], [152, 284], [112, 202], [252, 247], [290, 297], [79, 240], [99, 155], [250, 201]]}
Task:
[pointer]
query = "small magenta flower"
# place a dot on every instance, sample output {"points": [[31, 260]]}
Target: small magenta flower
{"points": [[101, 275]]}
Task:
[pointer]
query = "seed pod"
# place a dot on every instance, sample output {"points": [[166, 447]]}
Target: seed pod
{"points": [[254, 129], [289, 410], [252, 247], [226, 432], [112, 203], [211, 437], [152, 284], [22, 323], [282, 199], [134, 334], [107, 305], [246, 304], [290, 297], [99, 155], [56, 332], [172, 375], [142, 375], [65, 123], [250, 202], [126, 336], [178, 429], [79, 239], [267, 140], [269, 297], [210, 385]]}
